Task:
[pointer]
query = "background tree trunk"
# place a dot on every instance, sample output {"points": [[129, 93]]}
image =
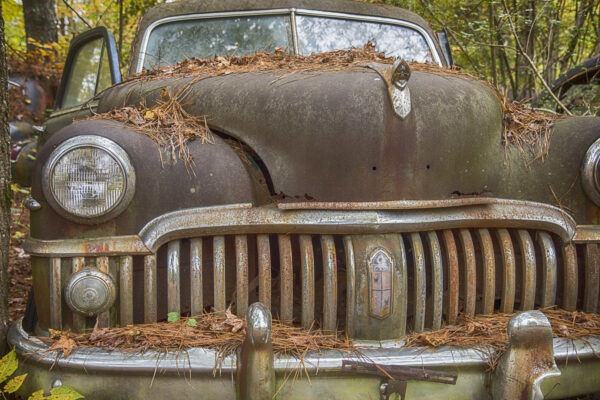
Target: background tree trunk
{"points": [[40, 21], [5, 192]]}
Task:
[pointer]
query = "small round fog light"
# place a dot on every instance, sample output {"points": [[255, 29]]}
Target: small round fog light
{"points": [[90, 292]]}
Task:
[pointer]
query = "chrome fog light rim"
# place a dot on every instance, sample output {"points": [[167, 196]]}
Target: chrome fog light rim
{"points": [[590, 176], [90, 292], [108, 146]]}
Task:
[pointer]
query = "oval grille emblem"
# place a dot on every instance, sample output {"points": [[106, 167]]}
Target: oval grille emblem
{"points": [[381, 269]]}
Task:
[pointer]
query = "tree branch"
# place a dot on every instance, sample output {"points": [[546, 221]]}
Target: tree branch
{"points": [[76, 13], [530, 61]]}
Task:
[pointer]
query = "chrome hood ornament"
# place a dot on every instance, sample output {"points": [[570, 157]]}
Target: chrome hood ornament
{"points": [[399, 91]]}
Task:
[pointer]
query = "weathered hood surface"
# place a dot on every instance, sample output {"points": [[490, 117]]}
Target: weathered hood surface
{"points": [[333, 136]]}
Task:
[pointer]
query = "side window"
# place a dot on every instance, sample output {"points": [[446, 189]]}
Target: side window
{"points": [[92, 65], [86, 74]]}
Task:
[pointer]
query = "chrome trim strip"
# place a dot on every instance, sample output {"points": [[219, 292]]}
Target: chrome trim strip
{"points": [[199, 360], [150, 289], [54, 282], [231, 220], [241, 280], [284, 11], [196, 285], [219, 298], [330, 288], [173, 277]]}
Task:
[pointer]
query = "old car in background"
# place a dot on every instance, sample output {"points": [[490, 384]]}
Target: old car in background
{"points": [[378, 203], [578, 89]]}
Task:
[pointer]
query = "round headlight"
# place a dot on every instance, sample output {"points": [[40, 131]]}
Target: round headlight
{"points": [[590, 175], [90, 292], [89, 179]]}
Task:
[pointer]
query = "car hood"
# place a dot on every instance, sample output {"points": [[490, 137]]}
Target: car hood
{"points": [[334, 135]]}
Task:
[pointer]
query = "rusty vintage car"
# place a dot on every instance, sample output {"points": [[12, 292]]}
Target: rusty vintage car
{"points": [[341, 199]]}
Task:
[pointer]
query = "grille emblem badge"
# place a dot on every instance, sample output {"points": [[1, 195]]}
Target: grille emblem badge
{"points": [[399, 91], [381, 269]]}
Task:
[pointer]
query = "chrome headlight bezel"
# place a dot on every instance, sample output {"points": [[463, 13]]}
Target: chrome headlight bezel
{"points": [[114, 151], [590, 175]]}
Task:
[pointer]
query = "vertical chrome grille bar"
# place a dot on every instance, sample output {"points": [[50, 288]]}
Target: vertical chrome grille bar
{"points": [[196, 288], [489, 271], [453, 276], [470, 271], [77, 264], [350, 285], [592, 278], [126, 290], [150, 289], [571, 280], [549, 269], [55, 294], [219, 273], [507, 302], [438, 280], [264, 269], [330, 283], [528, 267], [241, 278], [173, 253], [287, 278], [308, 281], [419, 282], [103, 318]]}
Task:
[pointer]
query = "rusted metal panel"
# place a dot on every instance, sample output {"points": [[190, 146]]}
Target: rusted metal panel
{"points": [[55, 294], [507, 300], [489, 270], [287, 278], [528, 268], [173, 278], [437, 284], [102, 263], [77, 264], [308, 280], [196, 300], [592, 278], [570, 276], [126, 290], [470, 274], [350, 285], [150, 289], [264, 269], [385, 205], [111, 246], [587, 234], [219, 273], [453, 275], [549, 269], [330, 283], [419, 282], [241, 268]]}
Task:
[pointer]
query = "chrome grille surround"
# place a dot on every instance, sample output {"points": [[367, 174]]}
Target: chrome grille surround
{"points": [[465, 255]]}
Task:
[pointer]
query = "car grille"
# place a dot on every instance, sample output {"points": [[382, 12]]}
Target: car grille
{"points": [[311, 279]]}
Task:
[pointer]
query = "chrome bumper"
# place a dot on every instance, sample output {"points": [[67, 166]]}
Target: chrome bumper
{"points": [[195, 373]]}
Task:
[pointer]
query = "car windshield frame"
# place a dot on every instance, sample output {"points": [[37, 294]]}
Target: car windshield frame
{"points": [[292, 13]]}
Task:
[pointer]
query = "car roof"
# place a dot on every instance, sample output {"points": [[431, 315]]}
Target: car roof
{"points": [[186, 7]]}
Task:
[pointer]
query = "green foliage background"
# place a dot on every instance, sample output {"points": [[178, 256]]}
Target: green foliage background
{"points": [[556, 35]]}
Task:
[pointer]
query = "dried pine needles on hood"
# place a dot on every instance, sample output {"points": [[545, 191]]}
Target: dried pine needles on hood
{"points": [[170, 125], [167, 123]]}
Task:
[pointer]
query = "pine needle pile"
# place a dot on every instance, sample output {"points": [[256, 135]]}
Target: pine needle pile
{"points": [[487, 333], [222, 333], [167, 123]]}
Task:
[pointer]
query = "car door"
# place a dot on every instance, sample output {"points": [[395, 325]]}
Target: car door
{"points": [[92, 65]]}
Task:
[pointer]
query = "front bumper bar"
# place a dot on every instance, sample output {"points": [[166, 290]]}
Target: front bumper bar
{"points": [[198, 373]]}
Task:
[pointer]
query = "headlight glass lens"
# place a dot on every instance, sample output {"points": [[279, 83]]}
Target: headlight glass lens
{"points": [[88, 179], [88, 182]]}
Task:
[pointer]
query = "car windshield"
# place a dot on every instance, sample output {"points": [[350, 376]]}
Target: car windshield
{"points": [[175, 41]]}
